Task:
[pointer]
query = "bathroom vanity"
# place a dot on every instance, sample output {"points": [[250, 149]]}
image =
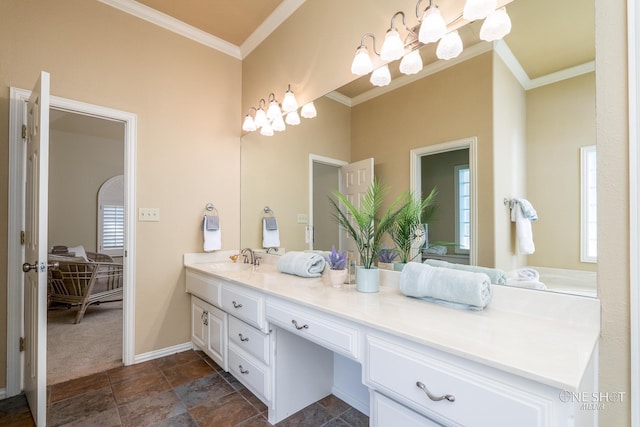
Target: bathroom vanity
{"points": [[528, 359]]}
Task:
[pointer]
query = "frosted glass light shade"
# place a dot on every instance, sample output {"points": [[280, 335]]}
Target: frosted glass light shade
{"points": [[278, 124], [308, 110], [289, 103], [248, 125], [450, 46], [392, 48], [433, 26], [361, 64], [260, 119], [293, 118], [267, 129], [411, 63], [478, 9], [496, 26], [381, 76], [273, 112]]}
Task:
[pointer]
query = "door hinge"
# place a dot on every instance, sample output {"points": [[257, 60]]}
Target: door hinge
{"points": [[23, 237], [24, 131], [21, 344]]}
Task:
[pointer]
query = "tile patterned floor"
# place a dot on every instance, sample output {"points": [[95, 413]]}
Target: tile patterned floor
{"points": [[184, 389]]}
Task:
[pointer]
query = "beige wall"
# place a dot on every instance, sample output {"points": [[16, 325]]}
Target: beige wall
{"points": [[450, 105], [275, 171], [186, 97], [560, 120], [78, 166]]}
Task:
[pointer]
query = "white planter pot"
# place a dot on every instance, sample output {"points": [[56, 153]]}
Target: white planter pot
{"points": [[337, 277], [368, 279]]}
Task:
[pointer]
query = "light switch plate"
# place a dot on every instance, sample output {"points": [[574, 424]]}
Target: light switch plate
{"points": [[148, 214], [302, 218]]}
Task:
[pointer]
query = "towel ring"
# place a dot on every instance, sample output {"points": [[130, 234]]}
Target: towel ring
{"points": [[210, 208]]}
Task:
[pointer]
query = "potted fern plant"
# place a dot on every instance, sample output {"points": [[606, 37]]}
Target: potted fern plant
{"points": [[409, 228], [366, 229]]}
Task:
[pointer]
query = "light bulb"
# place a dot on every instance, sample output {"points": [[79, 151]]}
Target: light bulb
{"points": [[308, 111], [478, 9], [293, 118], [411, 63], [496, 26], [267, 129], [278, 124], [361, 64], [249, 125], [392, 48], [289, 103], [273, 112], [381, 76], [260, 118], [450, 46], [433, 26]]}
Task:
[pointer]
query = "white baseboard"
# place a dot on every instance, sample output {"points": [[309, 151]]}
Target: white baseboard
{"points": [[156, 354], [3, 393], [351, 399]]}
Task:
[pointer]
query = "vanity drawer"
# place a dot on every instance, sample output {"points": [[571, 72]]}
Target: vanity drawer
{"points": [[478, 400], [205, 287], [316, 327], [385, 412], [253, 374], [249, 339], [245, 305]]}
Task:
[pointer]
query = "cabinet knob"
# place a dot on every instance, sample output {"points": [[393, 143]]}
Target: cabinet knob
{"points": [[242, 370], [236, 305], [243, 338], [298, 327], [448, 397]]}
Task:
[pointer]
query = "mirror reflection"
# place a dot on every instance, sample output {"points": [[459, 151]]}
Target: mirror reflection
{"points": [[529, 103]]}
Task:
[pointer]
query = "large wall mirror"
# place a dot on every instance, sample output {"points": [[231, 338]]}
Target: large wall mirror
{"points": [[528, 101]]}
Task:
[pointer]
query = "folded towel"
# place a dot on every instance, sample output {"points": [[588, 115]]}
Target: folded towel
{"points": [[527, 273], [303, 264], [270, 233], [526, 284], [459, 288], [524, 235], [78, 252], [497, 276], [436, 250], [212, 233], [527, 209]]}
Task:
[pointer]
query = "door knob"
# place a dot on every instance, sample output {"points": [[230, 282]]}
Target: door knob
{"points": [[26, 267]]}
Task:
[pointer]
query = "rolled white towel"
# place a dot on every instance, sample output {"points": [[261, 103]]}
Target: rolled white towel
{"points": [[528, 273], [460, 288], [526, 284], [303, 264]]}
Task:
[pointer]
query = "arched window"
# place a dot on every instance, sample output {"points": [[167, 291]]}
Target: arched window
{"points": [[111, 217]]}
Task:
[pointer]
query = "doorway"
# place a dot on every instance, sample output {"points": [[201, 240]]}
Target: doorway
{"points": [[85, 153], [15, 315]]}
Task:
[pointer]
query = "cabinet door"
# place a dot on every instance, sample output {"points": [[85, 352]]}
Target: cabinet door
{"points": [[386, 412], [199, 329], [216, 347]]}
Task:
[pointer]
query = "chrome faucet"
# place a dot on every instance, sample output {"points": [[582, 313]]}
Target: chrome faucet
{"points": [[249, 256]]}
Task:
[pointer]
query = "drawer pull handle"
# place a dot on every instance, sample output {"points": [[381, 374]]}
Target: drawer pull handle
{"points": [[243, 338], [242, 370], [449, 397], [298, 327], [236, 305]]}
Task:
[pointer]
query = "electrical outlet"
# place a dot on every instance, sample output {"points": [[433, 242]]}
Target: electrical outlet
{"points": [[302, 218], [148, 214]]}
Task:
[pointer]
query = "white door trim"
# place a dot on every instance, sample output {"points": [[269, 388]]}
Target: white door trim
{"points": [[315, 158], [15, 257], [415, 179], [633, 32]]}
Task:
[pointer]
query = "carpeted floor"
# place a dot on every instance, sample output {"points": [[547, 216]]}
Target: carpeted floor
{"points": [[94, 345]]}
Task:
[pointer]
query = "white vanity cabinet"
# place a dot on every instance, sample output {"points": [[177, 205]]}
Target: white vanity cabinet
{"points": [[209, 330]]}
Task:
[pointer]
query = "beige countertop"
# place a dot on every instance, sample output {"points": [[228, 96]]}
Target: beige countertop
{"points": [[549, 338]]}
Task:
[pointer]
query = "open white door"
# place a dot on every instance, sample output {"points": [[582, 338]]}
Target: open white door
{"points": [[35, 267], [356, 179]]}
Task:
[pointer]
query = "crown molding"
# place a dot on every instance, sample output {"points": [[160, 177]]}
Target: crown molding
{"points": [[273, 21]]}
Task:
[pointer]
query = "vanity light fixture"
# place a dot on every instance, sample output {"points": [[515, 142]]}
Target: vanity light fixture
{"points": [[277, 117], [430, 28]]}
